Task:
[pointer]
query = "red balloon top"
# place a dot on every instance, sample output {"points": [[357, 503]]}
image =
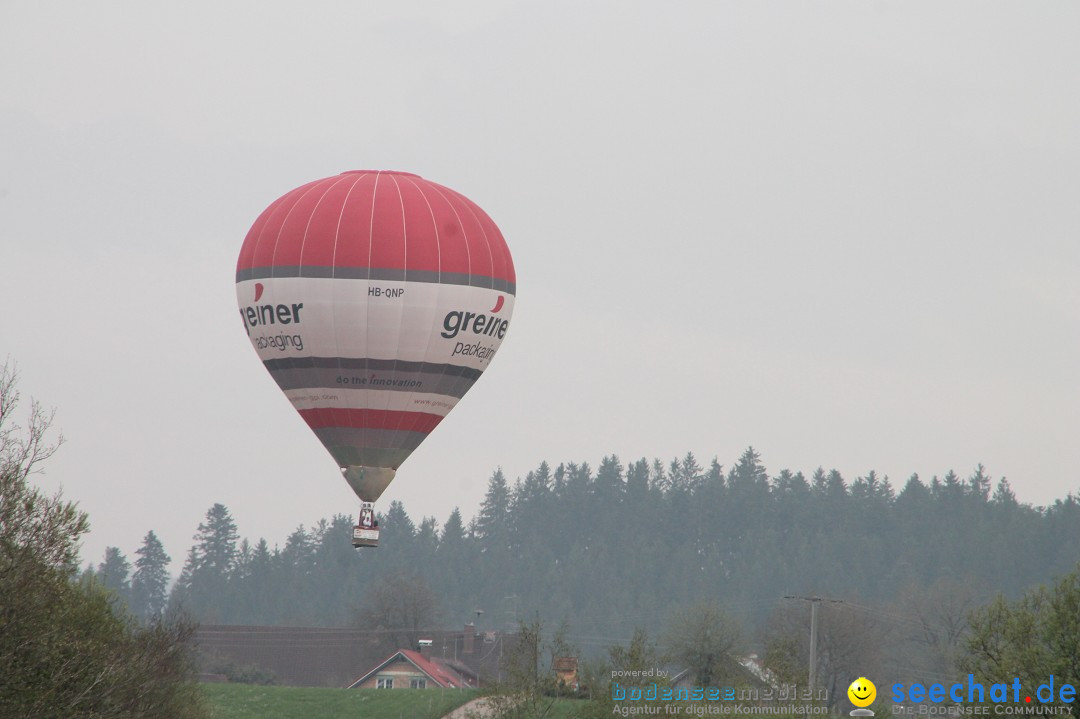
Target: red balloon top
{"points": [[376, 220]]}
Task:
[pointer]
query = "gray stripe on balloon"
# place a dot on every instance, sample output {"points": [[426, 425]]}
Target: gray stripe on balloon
{"points": [[370, 447], [376, 273], [359, 364], [437, 382]]}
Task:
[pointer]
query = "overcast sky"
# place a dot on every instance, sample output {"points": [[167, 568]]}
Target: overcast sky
{"points": [[843, 233]]}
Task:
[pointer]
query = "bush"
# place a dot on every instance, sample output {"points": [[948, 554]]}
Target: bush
{"points": [[66, 649], [237, 673]]}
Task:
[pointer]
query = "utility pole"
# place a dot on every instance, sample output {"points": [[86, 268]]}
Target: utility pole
{"points": [[814, 602]]}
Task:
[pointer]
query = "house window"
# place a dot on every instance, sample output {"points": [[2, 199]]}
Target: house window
{"points": [[418, 684], [384, 683]]}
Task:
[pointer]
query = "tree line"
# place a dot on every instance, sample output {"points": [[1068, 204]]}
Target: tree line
{"points": [[614, 548]]}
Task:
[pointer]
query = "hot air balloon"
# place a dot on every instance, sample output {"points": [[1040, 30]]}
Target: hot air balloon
{"points": [[375, 299]]}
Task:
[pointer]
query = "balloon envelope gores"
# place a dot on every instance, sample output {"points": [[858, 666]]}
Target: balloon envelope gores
{"points": [[375, 299]]}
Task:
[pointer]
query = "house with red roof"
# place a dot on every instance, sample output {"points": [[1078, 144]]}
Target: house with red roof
{"points": [[334, 657], [409, 669]]}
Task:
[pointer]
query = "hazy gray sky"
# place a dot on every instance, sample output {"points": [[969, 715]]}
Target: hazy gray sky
{"points": [[843, 233]]}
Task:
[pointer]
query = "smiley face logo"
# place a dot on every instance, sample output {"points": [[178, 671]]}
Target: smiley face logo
{"points": [[862, 692]]}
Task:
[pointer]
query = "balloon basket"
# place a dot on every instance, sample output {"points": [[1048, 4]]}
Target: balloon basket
{"points": [[362, 537]]}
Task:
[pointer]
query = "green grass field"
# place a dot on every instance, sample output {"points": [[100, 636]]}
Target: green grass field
{"points": [[245, 701]]}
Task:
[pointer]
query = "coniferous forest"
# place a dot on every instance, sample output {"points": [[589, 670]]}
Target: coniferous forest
{"points": [[619, 546]]}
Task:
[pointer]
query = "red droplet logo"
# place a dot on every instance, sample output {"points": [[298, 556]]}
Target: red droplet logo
{"points": [[498, 305], [259, 291]]}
